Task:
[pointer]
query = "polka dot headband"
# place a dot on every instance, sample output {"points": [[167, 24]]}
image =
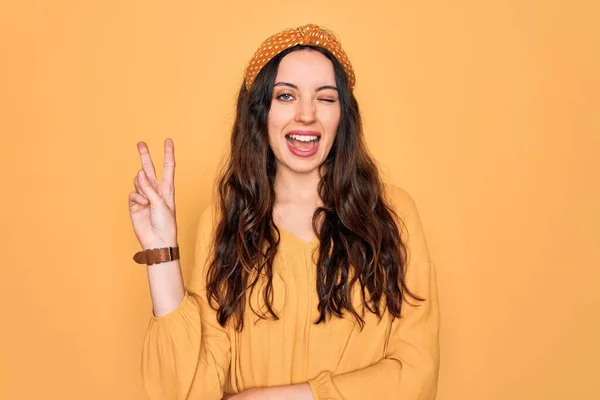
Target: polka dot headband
{"points": [[310, 34]]}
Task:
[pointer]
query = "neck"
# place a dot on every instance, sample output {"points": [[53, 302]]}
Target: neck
{"points": [[296, 187]]}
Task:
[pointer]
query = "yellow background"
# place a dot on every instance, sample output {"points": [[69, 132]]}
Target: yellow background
{"points": [[487, 112]]}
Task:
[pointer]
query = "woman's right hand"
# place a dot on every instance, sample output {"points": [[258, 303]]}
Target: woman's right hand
{"points": [[152, 204]]}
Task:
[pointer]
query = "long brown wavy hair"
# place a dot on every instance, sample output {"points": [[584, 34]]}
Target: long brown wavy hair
{"points": [[359, 237]]}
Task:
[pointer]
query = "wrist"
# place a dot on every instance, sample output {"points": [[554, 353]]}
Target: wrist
{"points": [[157, 255]]}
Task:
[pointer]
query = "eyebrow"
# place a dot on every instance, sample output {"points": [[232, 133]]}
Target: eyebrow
{"points": [[296, 87]]}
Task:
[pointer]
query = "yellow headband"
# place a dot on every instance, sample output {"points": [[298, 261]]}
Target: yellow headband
{"points": [[311, 35]]}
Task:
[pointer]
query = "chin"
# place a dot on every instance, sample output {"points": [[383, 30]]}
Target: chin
{"points": [[302, 166]]}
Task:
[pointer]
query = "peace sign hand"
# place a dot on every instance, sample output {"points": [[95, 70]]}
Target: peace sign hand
{"points": [[152, 204]]}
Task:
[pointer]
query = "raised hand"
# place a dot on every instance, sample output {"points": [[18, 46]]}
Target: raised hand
{"points": [[152, 204]]}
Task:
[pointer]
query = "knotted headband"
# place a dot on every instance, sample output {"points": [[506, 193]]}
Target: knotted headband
{"points": [[311, 35]]}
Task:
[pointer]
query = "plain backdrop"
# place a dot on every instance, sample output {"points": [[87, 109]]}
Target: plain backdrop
{"points": [[486, 112]]}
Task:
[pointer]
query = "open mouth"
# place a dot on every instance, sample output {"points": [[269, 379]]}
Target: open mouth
{"points": [[303, 142]]}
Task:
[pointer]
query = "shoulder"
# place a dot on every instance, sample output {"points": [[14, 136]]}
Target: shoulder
{"points": [[400, 201], [410, 226]]}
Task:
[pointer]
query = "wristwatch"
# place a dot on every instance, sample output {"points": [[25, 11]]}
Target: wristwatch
{"points": [[156, 256]]}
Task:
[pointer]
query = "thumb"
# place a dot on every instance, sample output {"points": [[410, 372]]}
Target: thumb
{"points": [[147, 188]]}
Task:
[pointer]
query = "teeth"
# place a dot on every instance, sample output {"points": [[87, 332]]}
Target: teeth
{"points": [[303, 138]]}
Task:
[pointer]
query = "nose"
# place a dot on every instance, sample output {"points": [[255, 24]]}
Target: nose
{"points": [[306, 112]]}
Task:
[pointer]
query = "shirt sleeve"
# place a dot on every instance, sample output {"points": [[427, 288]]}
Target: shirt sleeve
{"points": [[409, 370], [186, 353]]}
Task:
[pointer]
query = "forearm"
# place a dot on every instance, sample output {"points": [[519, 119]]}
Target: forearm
{"points": [[166, 286], [290, 392]]}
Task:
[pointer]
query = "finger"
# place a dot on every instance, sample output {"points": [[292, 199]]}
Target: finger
{"points": [[146, 161], [168, 174], [137, 186], [137, 199], [147, 189]]}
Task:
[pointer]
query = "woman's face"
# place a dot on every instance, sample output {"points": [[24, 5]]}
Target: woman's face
{"points": [[305, 111]]}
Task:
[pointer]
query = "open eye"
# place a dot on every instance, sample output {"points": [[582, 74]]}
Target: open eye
{"points": [[285, 97]]}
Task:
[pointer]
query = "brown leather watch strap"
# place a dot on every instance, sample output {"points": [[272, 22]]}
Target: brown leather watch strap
{"points": [[155, 256]]}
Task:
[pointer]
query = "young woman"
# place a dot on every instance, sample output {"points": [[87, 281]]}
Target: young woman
{"points": [[312, 278]]}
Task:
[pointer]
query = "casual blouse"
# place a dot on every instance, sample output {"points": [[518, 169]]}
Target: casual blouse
{"points": [[188, 355]]}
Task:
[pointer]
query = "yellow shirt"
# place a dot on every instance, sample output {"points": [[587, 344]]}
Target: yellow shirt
{"points": [[188, 355]]}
